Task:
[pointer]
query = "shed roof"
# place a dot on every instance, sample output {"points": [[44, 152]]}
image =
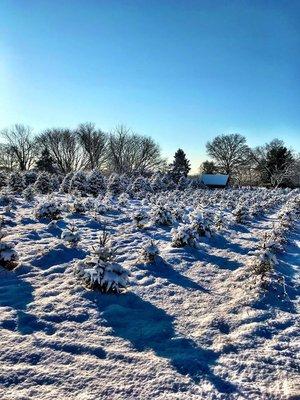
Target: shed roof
{"points": [[214, 179]]}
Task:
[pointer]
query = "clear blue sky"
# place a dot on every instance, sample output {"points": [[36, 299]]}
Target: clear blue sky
{"points": [[180, 71]]}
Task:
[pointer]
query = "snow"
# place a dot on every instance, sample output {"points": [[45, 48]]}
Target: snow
{"points": [[190, 326]]}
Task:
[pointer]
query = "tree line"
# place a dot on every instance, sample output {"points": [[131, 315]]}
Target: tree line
{"points": [[272, 164], [63, 150]]}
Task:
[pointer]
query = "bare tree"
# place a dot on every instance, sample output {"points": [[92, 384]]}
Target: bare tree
{"points": [[229, 152], [93, 142], [131, 153], [21, 145], [64, 148], [7, 158]]}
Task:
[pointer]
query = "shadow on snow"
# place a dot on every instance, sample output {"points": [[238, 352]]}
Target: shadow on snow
{"points": [[164, 270], [147, 327]]}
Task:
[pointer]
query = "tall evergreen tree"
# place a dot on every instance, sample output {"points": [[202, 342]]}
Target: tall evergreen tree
{"points": [[180, 166], [46, 162]]}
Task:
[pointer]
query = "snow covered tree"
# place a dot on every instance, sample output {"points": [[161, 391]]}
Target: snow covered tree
{"points": [[65, 185], [29, 177], [149, 252], [115, 185], [240, 214], [100, 271], [180, 166], [16, 182], [157, 183], [78, 183], [79, 206], [262, 263], [168, 182], [43, 184], [184, 235], [95, 183], [55, 183], [140, 218], [141, 184], [162, 215], [200, 224], [3, 179], [71, 236], [183, 183], [8, 255], [28, 193], [47, 209]]}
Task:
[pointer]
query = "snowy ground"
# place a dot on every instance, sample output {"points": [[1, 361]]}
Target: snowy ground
{"points": [[190, 326]]}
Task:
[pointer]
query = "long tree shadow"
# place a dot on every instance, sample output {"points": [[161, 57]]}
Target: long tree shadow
{"points": [[148, 327], [58, 255], [164, 270], [17, 294], [192, 254], [221, 242]]}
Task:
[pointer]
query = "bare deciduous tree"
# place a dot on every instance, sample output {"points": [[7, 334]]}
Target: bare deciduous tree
{"points": [[21, 145], [93, 142], [131, 153], [229, 151], [64, 148], [7, 158]]}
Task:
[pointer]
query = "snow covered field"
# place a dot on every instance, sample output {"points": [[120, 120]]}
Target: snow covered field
{"points": [[194, 324]]}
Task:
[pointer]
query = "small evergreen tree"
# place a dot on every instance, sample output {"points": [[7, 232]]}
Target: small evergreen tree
{"points": [[43, 184], [3, 179], [114, 185], [180, 166], [141, 184], [96, 183], [65, 185], [28, 193], [16, 182], [55, 183], [157, 183], [29, 177], [79, 183]]}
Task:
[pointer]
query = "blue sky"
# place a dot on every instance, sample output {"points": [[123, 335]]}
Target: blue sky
{"points": [[179, 71]]}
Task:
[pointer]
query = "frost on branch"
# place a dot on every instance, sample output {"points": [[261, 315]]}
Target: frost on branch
{"points": [[100, 271]]}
